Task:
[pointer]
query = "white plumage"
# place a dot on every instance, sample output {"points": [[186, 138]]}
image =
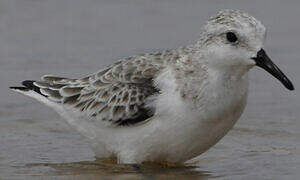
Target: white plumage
{"points": [[163, 106]]}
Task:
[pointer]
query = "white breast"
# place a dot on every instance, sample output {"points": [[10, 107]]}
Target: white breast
{"points": [[194, 125]]}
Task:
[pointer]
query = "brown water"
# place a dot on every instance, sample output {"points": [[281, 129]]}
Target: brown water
{"points": [[74, 38]]}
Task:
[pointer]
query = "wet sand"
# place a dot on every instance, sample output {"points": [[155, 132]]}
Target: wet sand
{"points": [[74, 38]]}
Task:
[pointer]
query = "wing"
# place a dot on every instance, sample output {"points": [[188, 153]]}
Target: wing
{"points": [[116, 94]]}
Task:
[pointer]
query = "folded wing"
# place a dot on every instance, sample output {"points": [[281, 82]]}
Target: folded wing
{"points": [[116, 94]]}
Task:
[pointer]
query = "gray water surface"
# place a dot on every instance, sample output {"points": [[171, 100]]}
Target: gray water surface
{"points": [[74, 38]]}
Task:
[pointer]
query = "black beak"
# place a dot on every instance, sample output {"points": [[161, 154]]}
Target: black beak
{"points": [[262, 60]]}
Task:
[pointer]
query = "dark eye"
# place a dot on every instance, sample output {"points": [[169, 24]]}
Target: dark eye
{"points": [[231, 37]]}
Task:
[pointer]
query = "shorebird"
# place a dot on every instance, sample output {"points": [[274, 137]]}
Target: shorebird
{"points": [[167, 106]]}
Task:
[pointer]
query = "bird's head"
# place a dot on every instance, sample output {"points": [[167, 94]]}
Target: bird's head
{"points": [[233, 40]]}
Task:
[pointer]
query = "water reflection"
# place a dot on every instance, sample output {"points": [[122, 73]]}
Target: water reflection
{"points": [[105, 169]]}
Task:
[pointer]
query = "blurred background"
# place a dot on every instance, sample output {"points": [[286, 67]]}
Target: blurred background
{"points": [[74, 38]]}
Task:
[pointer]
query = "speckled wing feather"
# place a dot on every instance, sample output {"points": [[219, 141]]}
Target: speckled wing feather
{"points": [[115, 94]]}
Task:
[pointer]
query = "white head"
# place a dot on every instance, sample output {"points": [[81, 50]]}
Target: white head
{"points": [[233, 41], [232, 38]]}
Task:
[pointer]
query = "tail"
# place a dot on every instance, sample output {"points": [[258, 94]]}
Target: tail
{"points": [[53, 91], [31, 90], [28, 85]]}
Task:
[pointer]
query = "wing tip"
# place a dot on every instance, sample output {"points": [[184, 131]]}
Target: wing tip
{"points": [[27, 86], [19, 88]]}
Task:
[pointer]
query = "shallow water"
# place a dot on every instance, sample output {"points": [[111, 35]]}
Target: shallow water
{"points": [[74, 38]]}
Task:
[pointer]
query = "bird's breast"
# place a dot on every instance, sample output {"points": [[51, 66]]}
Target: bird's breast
{"points": [[224, 97], [194, 121]]}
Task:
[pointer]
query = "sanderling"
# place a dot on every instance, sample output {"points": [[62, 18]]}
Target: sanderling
{"points": [[164, 106]]}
